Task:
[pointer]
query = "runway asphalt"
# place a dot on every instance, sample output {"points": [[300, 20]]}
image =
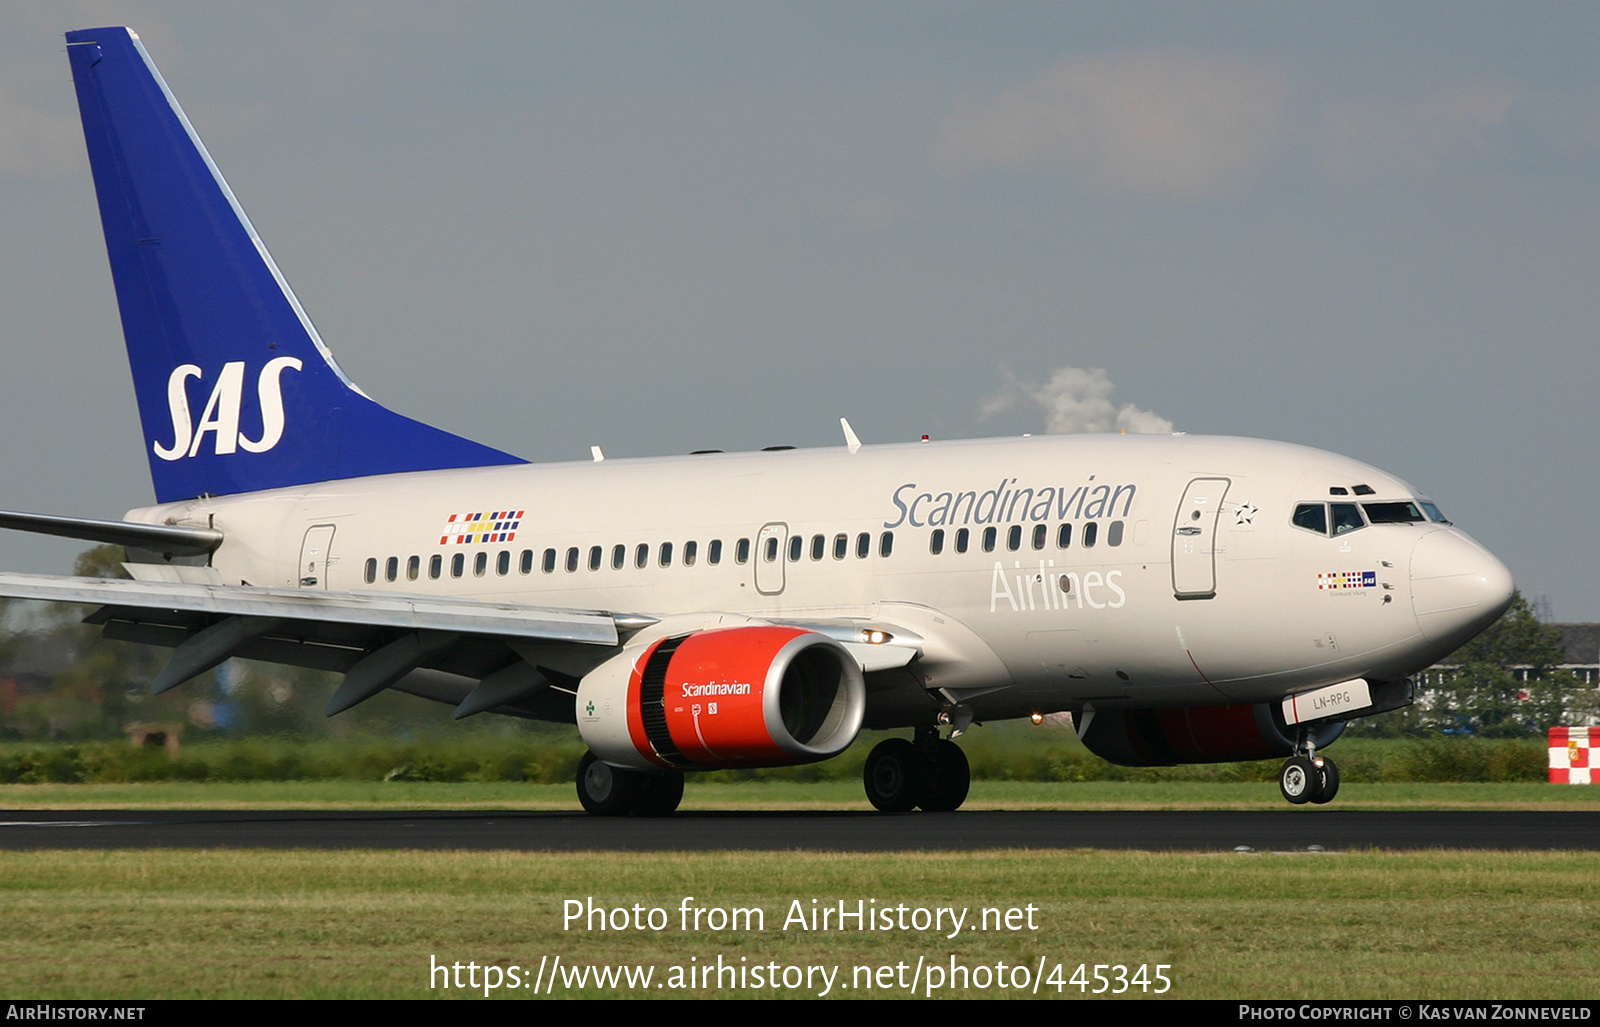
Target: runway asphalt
{"points": [[1276, 830]]}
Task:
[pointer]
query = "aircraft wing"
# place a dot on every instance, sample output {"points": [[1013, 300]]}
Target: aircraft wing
{"points": [[514, 652], [407, 613], [374, 640]]}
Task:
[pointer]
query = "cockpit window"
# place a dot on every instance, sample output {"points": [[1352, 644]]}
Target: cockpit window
{"points": [[1345, 517], [1434, 513], [1312, 517], [1392, 513]]}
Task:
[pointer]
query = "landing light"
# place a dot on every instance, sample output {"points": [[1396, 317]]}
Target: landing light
{"points": [[1036, 717], [872, 636]]}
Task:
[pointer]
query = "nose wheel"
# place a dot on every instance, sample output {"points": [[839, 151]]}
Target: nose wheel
{"points": [[1304, 779]]}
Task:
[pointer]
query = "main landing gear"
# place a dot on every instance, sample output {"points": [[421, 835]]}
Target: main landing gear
{"points": [[930, 773], [608, 791], [1306, 779]]}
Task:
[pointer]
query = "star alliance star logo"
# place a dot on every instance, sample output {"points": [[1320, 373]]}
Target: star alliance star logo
{"points": [[1243, 514]]}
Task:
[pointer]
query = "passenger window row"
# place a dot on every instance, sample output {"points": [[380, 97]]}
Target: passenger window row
{"points": [[619, 556], [840, 547], [1036, 538]]}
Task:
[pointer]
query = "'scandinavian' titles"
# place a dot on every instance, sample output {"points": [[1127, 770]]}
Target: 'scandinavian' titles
{"points": [[1006, 503]]}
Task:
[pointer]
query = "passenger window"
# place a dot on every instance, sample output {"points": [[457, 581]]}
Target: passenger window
{"points": [[772, 550], [989, 536], [819, 545], [1312, 517], [886, 543], [391, 568], [458, 565], [1014, 538], [1040, 534], [689, 551], [1345, 518], [549, 563], [666, 554], [797, 546], [1064, 536], [714, 552], [413, 568], [741, 551], [1114, 534], [1090, 530], [641, 555], [841, 546], [527, 561], [619, 556], [936, 541], [371, 572], [572, 559], [480, 564], [502, 563], [596, 555], [962, 536], [863, 545], [435, 565]]}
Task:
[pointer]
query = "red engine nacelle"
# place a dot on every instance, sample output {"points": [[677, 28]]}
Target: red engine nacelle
{"points": [[1194, 734], [762, 696]]}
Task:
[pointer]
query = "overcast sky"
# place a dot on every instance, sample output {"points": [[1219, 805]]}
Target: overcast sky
{"points": [[657, 227]]}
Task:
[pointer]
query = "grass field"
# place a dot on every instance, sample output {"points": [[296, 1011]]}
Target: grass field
{"points": [[362, 924], [262, 924]]}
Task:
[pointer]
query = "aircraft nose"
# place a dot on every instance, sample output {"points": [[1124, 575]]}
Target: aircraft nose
{"points": [[1458, 588]]}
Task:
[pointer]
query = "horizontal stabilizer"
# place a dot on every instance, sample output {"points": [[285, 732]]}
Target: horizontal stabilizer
{"points": [[162, 538]]}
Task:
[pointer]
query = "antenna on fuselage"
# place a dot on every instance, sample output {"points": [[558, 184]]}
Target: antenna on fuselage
{"points": [[852, 442]]}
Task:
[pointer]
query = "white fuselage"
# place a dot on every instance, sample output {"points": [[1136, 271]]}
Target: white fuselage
{"points": [[1197, 590]]}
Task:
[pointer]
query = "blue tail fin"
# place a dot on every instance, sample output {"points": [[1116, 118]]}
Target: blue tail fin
{"points": [[236, 390]]}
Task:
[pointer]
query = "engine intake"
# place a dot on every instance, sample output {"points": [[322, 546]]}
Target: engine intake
{"points": [[763, 696]]}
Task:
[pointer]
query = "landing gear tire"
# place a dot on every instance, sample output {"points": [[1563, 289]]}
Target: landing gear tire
{"points": [[1328, 772], [895, 776], [607, 791], [1299, 780], [951, 776], [662, 793], [604, 790]]}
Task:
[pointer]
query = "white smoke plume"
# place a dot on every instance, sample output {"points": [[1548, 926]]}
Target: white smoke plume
{"points": [[1075, 400]]}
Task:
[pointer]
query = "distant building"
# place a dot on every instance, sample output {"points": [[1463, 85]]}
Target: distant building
{"points": [[1582, 643]]}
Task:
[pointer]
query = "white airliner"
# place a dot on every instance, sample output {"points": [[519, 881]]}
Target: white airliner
{"points": [[1186, 599]]}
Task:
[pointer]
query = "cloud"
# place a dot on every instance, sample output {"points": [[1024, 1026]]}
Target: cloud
{"points": [[1161, 123], [34, 142], [1075, 400], [1366, 140]]}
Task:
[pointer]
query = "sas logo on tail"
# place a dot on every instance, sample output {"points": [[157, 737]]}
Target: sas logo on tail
{"points": [[220, 418]]}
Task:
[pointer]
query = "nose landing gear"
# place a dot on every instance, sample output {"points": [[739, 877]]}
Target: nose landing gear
{"points": [[1310, 778]]}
